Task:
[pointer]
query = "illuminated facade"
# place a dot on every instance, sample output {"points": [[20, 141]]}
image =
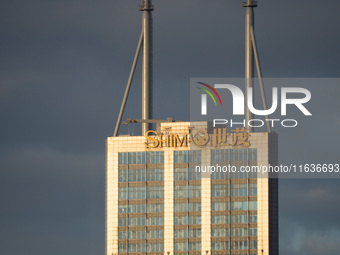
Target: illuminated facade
{"points": [[163, 198]]}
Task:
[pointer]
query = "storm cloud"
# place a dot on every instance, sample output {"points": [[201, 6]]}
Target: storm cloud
{"points": [[64, 67]]}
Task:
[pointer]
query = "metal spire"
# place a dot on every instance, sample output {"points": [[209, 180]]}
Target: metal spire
{"points": [[145, 41], [147, 8], [251, 52], [249, 55]]}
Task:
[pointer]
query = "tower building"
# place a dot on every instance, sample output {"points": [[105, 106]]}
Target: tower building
{"points": [[161, 197], [187, 188]]}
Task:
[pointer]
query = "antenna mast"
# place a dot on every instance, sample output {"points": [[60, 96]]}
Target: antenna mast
{"points": [[251, 52], [147, 8], [249, 55], [145, 42]]}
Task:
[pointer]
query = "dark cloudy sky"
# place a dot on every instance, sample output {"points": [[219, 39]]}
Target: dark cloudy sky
{"points": [[64, 67]]}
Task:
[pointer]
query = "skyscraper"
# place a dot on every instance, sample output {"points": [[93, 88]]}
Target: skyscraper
{"points": [[188, 188], [184, 189]]}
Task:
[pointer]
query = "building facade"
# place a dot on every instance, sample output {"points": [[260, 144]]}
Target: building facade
{"points": [[180, 190]]}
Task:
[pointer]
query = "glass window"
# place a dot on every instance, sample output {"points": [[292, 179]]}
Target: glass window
{"points": [[220, 175], [194, 233], [122, 209], [253, 245], [252, 218], [181, 174], [137, 208], [187, 207], [184, 174], [188, 191], [155, 234], [137, 234], [220, 190], [181, 191], [153, 208], [181, 156], [219, 232], [239, 219], [231, 155], [122, 235], [122, 222], [155, 157], [219, 246], [194, 190], [154, 174], [140, 158], [215, 232], [192, 156], [213, 155], [135, 222], [122, 193], [155, 192], [252, 232], [219, 219], [252, 189], [194, 246], [136, 247], [219, 155], [136, 158], [122, 248], [122, 158], [180, 233], [136, 192], [193, 220], [132, 158], [239, 245], [123, 175], [240, 155], [193, 174], [155, 247], [236, 157], [181, 220], [252, 205], [252, 154], [239, 232], [181, 207], [219, 206], [155, 221], [181, 246], [239, 190], [239, 205], [137, 175], [194, 207]]}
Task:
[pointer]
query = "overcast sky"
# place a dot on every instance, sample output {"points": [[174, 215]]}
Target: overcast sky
{"points": [[64, 68]]}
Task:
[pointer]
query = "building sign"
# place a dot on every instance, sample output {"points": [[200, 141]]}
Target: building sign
{"points": [[219, 137]]}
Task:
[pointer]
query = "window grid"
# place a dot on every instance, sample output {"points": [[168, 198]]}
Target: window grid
{"points": [[141, 167], [191, 156], [186, 192], [140, 158], [228, 155]]}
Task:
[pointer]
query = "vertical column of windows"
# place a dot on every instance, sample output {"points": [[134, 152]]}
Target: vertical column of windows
{"points": [[237, 221], [140, 220], [187, 217]]}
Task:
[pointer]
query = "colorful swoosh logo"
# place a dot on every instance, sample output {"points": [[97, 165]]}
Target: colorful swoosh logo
{"points": [[209, 93]]}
